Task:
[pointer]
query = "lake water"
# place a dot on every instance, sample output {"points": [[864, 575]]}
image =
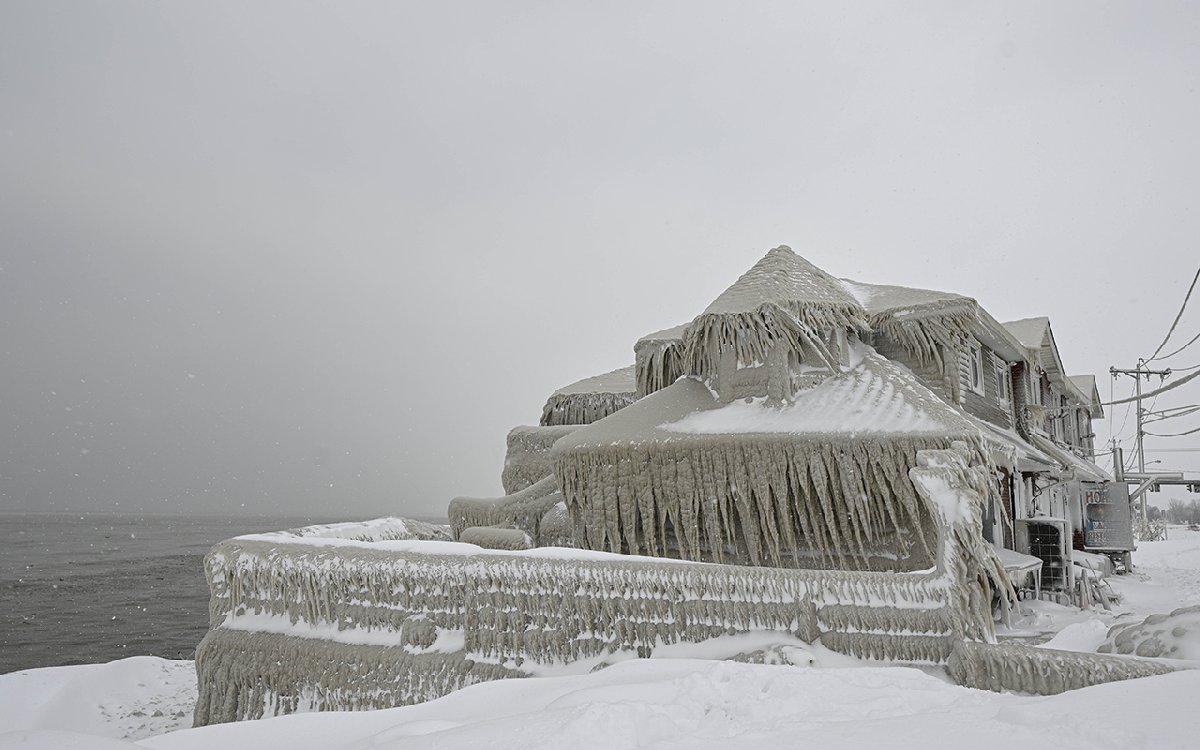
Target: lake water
{"points": [[82, 589]]}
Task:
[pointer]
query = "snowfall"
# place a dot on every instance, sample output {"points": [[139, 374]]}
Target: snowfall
{"points": [[808, 697]]}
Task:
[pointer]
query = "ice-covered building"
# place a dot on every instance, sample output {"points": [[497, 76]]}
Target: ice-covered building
{"points": [[816, 458], [789, 397]]}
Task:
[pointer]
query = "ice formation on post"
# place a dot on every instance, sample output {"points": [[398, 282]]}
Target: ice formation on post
{"points": [[761, 468]]}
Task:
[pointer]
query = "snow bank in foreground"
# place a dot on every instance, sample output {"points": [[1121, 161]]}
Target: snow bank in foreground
{"points": [[1173, 636], [720, 705], [130, 698]]}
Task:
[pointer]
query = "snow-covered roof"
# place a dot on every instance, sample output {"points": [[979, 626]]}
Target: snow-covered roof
{"points": [[674, 333], [874, 397], [912, 314], [1031, 332], [783, 300], [616, 381], [1086, 384], [1072, 464], [1011, 447], [785, 279], [1036, 335], [878, 298], [590, 399]]}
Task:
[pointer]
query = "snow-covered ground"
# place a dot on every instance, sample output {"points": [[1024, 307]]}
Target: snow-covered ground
{"points": [[669, 702]]}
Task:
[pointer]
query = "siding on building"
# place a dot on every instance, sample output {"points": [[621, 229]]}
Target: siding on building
{"points": [[929, 373], [988, 405]]}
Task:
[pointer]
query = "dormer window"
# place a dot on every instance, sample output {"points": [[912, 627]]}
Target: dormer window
{"points": [[975, 365]]}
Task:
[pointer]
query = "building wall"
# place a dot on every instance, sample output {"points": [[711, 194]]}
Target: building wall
{"points": [[988, 405], [931, 376]]}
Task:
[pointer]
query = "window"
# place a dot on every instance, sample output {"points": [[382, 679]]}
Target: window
{"points": [[1003, 382], [975, 363]]}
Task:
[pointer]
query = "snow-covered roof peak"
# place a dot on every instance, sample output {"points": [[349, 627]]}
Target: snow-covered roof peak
{"points": [[783, 278], [1031, 332]]}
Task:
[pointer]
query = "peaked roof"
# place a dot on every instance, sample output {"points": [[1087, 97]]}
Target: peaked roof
{"points": [[1087, 386], [874, 398], [620, 380], [1036, 335], [783, 300], [674, 333], [878, 298], [1031, 332], [783, 278]]}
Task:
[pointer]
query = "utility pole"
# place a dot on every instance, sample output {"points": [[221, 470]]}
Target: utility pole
{"points": [[1137, 373]]}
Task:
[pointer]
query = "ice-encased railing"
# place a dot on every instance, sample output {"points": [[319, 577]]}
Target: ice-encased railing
{"points": [[1043, 671], [522, 510], [328, 624]]}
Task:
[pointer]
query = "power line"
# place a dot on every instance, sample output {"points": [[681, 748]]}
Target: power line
{"points": [[1185, 346], [1125, 419], [1164, 389], [1174, 434], [1181, 411], [1182, 307]]}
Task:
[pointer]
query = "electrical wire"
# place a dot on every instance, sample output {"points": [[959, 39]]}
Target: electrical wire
{"points": [[1185, 346], [1172, 434], [1133, 456], [1185, 411], [1164, 389], [1182, 307], [1124, 419]]}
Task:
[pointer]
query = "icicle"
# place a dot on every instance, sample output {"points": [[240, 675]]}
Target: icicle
{"points": [[1040, 670], [928, 336], [523, 510], [659, 363], [527, 459], [583, 408]]}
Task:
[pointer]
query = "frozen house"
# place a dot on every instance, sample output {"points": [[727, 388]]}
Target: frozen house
{"points": [[878, 469], [757, 430]]}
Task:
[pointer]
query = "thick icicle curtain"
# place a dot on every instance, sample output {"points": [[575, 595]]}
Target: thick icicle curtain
{"points": [[826, 501]]}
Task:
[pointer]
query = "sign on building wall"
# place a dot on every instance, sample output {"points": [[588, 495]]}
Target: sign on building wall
{"points": [[1107, 520]]}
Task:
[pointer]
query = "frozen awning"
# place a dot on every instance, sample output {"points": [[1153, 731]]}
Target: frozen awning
{"points": [[1070, 463], [1010, 449]]}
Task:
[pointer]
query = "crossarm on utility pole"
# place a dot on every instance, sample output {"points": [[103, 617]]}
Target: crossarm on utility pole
{"points": [[1149, 481]]}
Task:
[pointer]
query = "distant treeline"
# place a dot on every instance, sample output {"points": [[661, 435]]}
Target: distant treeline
{"points": [[1179, 511]]}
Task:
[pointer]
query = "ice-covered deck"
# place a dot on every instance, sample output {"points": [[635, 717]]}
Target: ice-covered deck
{"points": [[343, 619]]}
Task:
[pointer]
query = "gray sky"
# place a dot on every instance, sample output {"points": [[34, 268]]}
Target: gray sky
{"points": [[319, 258]]}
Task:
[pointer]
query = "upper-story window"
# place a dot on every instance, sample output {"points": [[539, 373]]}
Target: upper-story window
{"points": [[975, 365], [1003, 382]]}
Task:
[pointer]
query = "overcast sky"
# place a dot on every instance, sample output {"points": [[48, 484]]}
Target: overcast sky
{"points": [[282, 258]]}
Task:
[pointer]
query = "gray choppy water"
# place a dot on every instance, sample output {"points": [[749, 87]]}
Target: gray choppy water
{"points": [[82, 589]]}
